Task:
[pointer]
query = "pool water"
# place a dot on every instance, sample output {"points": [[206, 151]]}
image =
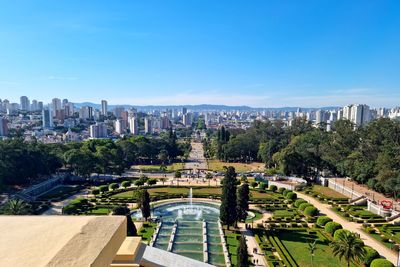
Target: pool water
{"points": [[188, 240]]}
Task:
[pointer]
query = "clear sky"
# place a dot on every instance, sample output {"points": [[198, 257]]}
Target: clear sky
{"points": [[260, 53]]}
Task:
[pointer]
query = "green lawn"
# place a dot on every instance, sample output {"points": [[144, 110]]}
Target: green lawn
{"points": [[147, 231], [296, 243], [216, 165], [328, 192], [99, 211], [257, 214], [232, 243], [153, 168], [283, 214]]}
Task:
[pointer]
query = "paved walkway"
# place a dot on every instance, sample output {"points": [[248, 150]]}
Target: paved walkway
{"points": [[56, 207], [352, 226], [251, 245], [196, 158]]}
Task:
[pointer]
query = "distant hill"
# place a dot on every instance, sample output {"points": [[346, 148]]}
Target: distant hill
{"points": [[203, 107]]}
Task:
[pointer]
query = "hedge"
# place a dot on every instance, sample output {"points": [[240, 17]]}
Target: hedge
{"points": [[291, 195], [285, 192], [273, 188], [370, 255], [381, 263], [280, 190], [322, 220], [298, 202], [303, 206], [331, 227], [286, 257], [126, 184], [311, 211], [113, 186]]}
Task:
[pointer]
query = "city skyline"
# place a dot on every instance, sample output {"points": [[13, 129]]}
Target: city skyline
{"points": [[262, 55]]}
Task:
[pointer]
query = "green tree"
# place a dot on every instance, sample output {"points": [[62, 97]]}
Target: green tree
{"points": [[349, 246], [242, 255], [228, 214], [243, 197], [144, 204], [312, 247], [125, 211], [209, 177]]}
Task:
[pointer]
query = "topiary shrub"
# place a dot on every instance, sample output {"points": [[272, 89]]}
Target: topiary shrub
{"points": [[280, 190], [331, 227], [262, 185], [285, 192], [126, 184], [273, 188], [291, 195], [311, 211], [113, 186], [303, 206], [103, 188], [370, 255], [322, 220], [381, 263], [298, 202], [254, 184]]}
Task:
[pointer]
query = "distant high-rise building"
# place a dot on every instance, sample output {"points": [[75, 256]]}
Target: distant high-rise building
{"points": [[47, 118], [40, 105], [184, 110], [55, 105], [120, 126], [148, 126], [3, 126], [69, 109], [104, 107], [187, 119], [64, 102], [86, 113], [320, 116], [117, 111], [133, 125], [98, 130], [60, 115], [360, 114], [24, 103], [34, 105]]}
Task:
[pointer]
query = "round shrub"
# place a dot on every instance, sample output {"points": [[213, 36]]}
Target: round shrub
{"points": [[113, 186], [322, 220], [95, 191], [370, 255], [311, 211], [303, 206], [285, 192], [254, 184], [126, 184], [273, 188], [103, 188], [262, 186], [291, 195], [381, 263], [298, 202], [151, 181], [331, 227], [338, 233], [280, 190]]}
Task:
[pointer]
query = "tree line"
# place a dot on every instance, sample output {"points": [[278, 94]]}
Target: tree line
{"points": [[369, 154], [21, 162]]}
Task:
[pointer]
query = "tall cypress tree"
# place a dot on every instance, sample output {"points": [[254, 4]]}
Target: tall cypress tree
{"points": [[145, 204], [123, 210], [243, 201], [242, 255], [228, 214]]}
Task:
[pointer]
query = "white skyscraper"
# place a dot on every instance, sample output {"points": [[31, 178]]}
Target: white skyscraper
{"points": [[360, 114], [55, 105], [187, 119], [86, 113], [133, 125], [98, 130], [24, 103], [104, 107]]}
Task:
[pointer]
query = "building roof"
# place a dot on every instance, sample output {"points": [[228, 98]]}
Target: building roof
{"points": [[60, 240]]}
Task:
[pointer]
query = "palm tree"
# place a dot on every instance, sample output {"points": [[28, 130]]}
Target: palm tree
{"points": [[16, 207], [312, 247], [349, 246]]}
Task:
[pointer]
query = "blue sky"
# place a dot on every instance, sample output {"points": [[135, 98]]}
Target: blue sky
{"points": [[257, 53]]}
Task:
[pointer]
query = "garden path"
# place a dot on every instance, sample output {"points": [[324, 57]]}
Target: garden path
{"points": [[251, 245], [352, 226]]}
